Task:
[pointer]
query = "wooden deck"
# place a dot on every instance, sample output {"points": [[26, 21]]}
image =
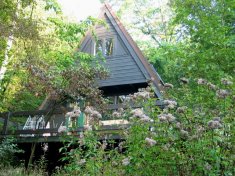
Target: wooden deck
{"points": [[14, 129], [52, 135], [11, 124]]}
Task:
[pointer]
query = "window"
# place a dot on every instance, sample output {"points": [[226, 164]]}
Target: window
{"points": [[105, 48], [108, 47], [98, 47]]}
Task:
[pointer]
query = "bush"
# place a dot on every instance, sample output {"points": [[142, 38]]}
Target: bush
{"points": [[7, 151], [178, 140]]}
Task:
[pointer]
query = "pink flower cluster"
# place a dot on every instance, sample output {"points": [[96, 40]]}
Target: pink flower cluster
{"points": [[166, 117], [226, 81], [74, 113], [201, 81], [93, 113], [118, 113], [184, 80], [81, 162], [141, 94], [168, 85], [221, 93], [139, 113], [126, 161], [211, 86], [181, 109], [170, 104], [184, 133], [150, 142], [215, 123]]}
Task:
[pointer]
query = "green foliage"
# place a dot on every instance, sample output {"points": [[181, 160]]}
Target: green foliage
{"points": [[20, 171], [84, 156], [43, 55], [7, 151], [191, 39], [179, 141], [53, 4], [188, 146], [208, 26]]}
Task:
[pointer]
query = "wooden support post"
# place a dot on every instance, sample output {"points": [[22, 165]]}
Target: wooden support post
{"points": [[30, 163], [6, 122]]}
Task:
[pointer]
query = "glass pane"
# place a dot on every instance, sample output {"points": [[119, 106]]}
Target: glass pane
{"points": [[98, 47], [111, 100], [121, 99], [108, 47]]}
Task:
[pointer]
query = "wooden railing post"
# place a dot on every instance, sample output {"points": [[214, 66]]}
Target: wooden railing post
{"points": [[6, 122]]}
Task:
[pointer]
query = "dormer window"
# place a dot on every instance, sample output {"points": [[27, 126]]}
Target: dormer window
{"points": [[104, 46]]}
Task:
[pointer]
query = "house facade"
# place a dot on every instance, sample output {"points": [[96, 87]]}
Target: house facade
{"points": [[128, 69]]}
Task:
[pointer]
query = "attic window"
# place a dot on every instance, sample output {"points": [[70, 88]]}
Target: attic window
{"points": [[104, 47], [108, 47], [98, 47]]}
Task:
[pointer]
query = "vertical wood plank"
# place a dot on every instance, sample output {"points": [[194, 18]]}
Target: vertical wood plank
{"points": [[6, 122]]}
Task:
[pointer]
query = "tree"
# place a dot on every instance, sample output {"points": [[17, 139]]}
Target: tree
{"points": [[43, 57], [17, 23]]}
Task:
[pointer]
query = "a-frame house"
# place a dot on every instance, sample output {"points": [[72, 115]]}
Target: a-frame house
{"points": [[128, 68], [128, 71]]}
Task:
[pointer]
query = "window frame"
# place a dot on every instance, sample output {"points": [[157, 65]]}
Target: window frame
{"points": [[106, 40], [103, 40]]}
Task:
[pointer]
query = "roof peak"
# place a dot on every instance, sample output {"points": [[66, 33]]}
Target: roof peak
{"points": [[107, 6]]}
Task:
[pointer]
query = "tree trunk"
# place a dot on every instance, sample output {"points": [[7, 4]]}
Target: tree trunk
{"points": [[10, 40], [6, 60], [29, 165]]}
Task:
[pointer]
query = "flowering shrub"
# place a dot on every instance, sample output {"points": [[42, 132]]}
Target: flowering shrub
{"points": [[190, 136]]}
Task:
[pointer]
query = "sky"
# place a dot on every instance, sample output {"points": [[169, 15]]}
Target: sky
{"points": [[80, 9]]}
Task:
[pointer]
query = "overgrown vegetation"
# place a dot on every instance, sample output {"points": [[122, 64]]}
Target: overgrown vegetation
{"points": [[191, 44], [38, 55], [177, 140], [7, 151]]}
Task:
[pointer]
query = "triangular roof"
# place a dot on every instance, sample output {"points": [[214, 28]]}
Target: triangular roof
{"points": [[147, 70]]}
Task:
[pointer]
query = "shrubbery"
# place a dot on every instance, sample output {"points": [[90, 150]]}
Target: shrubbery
{"points": [[193, 138], [7, 151]]}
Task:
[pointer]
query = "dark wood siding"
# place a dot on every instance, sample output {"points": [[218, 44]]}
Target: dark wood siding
{"points": [[120, 47], [122, 67], [122, 70]]}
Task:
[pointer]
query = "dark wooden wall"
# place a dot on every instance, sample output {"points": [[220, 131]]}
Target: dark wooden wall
{"points": [[122, 67]]}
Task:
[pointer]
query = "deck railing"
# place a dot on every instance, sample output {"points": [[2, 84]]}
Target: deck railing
{"points": [[20, 118], [12, 122], [15, 129]]}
